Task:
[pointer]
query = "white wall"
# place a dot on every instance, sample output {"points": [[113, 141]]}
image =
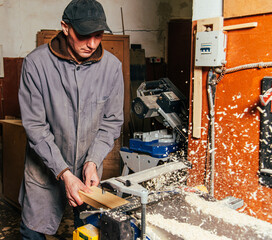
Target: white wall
{"points": [[207, 9], [144, 20]]}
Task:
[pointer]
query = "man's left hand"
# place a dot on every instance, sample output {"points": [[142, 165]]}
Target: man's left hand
{"points": [[90, 177]]}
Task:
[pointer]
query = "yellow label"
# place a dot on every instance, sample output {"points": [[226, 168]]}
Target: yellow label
{"points": [[86, 232]]}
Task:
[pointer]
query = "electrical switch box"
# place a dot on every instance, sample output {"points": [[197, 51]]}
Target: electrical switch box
{"points": [[210, 49]]}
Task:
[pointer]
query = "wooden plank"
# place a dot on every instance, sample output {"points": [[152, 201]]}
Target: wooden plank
{"points": [[99, 200], [240, 26], [216, 24], [90, 201], [12, 121], [197, 103], [234, 8]]}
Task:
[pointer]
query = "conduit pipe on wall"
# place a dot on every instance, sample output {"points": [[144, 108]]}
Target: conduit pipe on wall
{"points": [[211, 88], [259, 65]]}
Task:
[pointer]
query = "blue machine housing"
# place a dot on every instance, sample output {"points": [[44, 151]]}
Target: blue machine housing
{"points": [[154, 148]]}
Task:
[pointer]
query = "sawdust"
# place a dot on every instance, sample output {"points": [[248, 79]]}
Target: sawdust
{"points": [[184, 230], [217, 209], [201, 214], [170, 180], [6, 229], [167, 181]]}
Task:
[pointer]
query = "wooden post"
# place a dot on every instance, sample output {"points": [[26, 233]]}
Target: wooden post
{"points": [[215, 24]]}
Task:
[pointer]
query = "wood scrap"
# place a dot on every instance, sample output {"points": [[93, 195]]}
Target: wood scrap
{"points": [[240, 26], [105, 200]]}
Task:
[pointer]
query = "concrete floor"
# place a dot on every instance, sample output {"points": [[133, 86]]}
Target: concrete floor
{"points": [[10, 223]]}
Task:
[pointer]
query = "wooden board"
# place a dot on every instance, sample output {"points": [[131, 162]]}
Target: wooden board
{"points": [[197, 103], [12, 121], [105, 200], [216, 24], [234, 8], [240, 26]]}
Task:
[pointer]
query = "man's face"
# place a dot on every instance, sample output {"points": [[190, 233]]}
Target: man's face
{"points": [[81, 47]]}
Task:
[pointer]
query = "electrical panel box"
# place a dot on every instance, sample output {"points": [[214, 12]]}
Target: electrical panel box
{"points": [[210, 49]]}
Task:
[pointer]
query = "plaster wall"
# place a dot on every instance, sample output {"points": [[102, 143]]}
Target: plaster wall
{"points": [[145, 22], [207, 9]]}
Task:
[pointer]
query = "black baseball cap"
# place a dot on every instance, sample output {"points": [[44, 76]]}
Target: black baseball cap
{"points": [[85, 16]]}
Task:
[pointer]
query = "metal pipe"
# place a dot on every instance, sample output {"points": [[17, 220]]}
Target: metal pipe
{"points": [[143, 222], [259, 65], [212, 141], [267, 171], [122, 18], [249, 66]]}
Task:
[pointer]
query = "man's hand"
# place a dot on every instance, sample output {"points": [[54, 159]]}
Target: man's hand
{"points": [[90, 177], [72, 187]]}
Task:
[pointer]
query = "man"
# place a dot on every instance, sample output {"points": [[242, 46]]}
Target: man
{"points": [[71, 100]]}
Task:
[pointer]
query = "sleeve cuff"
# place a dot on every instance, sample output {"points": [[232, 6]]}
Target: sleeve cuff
{"points": [[64, 170]]}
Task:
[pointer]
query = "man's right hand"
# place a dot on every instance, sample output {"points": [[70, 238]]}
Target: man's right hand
{"points": [[72, 187]]}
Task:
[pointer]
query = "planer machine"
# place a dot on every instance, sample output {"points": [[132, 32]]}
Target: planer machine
{"points": [[149, 156], [128, 221]]}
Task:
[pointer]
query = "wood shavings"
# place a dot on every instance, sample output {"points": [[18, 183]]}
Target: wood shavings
{"points": [[229, 215], [184, 230]]}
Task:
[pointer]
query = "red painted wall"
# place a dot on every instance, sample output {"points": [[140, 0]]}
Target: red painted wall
{"points": [[237, 121]]}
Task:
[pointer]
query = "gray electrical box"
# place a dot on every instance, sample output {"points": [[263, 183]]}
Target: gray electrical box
{"points": [[210, 49]]}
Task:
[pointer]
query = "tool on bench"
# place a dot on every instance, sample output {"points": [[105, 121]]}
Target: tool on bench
{"points": [[136, 189]]}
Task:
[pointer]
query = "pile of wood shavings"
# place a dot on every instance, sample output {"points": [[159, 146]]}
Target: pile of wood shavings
{"points": [[184, 230], [217, 209], [189, 216], [169, 180]]}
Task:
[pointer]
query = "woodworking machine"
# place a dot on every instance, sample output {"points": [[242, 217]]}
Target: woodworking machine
{"points": [[150, 155], [118, 223], [161, 100]]}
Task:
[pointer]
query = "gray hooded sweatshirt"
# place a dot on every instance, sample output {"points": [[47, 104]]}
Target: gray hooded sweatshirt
{"points": [[72, 113]]}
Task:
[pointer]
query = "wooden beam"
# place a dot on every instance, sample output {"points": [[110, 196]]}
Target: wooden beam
{"points": [[240, 26], [216, 24], [197, 102], [105, 200]]}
